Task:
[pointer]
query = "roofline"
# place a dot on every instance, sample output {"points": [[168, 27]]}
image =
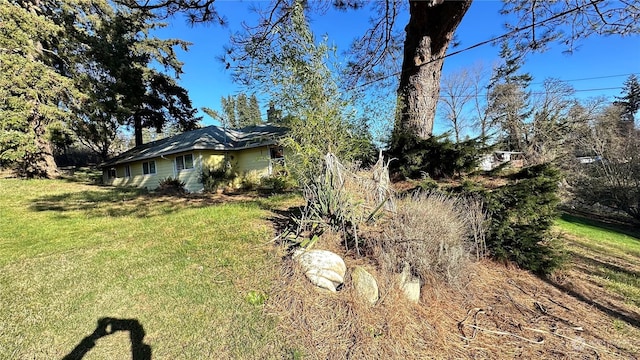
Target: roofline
{"points": [[178, 151]]}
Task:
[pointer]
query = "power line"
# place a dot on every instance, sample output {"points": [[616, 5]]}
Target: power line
{"points": [[470, 96], [492, 40]]}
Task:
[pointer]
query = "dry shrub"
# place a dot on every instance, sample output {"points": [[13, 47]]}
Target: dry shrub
{"points": [[431, 233]]}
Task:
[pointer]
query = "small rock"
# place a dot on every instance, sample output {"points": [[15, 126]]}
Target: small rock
{"points": [[365, 284], [411, 290], [323, 268], [410, 284]]}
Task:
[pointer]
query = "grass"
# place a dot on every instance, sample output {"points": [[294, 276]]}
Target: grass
{"points": [[606, 253], [193, 278], [185, 270]]}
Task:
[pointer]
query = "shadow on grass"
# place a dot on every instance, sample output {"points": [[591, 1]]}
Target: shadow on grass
{"points": [[601, 266], [615, 227], [618, 313], [108, 326], [119, 202]]}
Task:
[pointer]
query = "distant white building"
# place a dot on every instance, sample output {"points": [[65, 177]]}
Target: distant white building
{"points": [[491, 161]]}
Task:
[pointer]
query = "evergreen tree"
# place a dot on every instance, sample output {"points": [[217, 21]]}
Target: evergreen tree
{"points": [[629, 101], [274, 116], [509, 100], [243, 111], [229, 109], [254, 109], [123, 88], [34, 92]]}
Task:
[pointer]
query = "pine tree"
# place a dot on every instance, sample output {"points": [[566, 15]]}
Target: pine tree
{"points": [[243, 111], [254, 109], [35, 94], [123, 88], [509, 100], [629, 101], [229, 109], [274, 116]]}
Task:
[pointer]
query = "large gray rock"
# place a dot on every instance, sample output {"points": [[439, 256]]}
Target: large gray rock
{"points": [[365, 284], [323, 268]]}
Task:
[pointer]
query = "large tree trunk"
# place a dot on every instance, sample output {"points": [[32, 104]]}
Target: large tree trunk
{"points": [[40, 163], [430, 29]]}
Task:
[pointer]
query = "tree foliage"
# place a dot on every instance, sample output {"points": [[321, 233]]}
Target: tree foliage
{"points": [[237, 111], [436, 157], [509, 105], [521, 216], [630, 101], [612, 178], [32, 89], [293, 72], [123, 87], [87, 65], [429, 31]]}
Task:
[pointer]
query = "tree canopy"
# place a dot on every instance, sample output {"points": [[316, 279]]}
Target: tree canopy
{"points": [[89, 67], [532, 26]]}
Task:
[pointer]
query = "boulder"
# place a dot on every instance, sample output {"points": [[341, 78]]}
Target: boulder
{"points": [[365, 284], [323, 268]]}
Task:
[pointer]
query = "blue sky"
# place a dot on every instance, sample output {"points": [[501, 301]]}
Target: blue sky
{"points": [[600, 62]]}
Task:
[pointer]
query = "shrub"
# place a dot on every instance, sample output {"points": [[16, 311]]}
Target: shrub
{"points": [[277, 182], [430, 232], [250, 181], [436, 157], [521, 215], [171, 186], [216, 177]]}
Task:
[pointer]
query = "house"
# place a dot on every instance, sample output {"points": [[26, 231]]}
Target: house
{"points": [[491, 161], [251, 151]]}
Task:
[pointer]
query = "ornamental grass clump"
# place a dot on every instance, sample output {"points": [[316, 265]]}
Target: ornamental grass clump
{"points": [[433, 233]]}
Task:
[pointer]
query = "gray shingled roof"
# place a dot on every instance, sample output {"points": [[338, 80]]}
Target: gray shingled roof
{"points": [[207, 138]]}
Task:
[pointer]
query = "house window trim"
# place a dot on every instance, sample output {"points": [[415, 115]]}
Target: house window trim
{"points": [[184, 168], [149, 172]]}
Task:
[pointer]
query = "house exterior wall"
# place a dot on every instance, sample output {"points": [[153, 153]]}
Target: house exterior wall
{"points": [[164, 169], [253, 163]]}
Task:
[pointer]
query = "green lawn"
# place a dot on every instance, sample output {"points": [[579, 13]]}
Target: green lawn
{"points": [[71, 254], [609, 254]]}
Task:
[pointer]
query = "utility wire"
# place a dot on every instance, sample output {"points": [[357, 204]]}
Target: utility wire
{"points": [[492, 40]]}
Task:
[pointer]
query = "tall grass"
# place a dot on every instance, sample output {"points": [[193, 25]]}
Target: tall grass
{"points": [[71, 254]]}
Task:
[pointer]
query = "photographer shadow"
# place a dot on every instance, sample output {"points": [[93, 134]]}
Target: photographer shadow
{"points": [[108, 326]]}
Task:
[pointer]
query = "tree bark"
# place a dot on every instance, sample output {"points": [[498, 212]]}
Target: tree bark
{"points": [[137, 130], [429, 32]]}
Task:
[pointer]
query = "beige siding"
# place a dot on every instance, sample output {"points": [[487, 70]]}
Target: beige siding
{"points": [[253, 162], [164, 169], [248, 162]]}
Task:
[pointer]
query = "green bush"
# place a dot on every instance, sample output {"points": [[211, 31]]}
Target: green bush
{"points": [[171, 186], [280, 180], [521, 215], [216, 177], [436, 157]]}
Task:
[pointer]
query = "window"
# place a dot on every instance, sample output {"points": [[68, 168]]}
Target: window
{"points": [[276, 152], [127, 171], [111, 173], [184, 162], [149, 167]]}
